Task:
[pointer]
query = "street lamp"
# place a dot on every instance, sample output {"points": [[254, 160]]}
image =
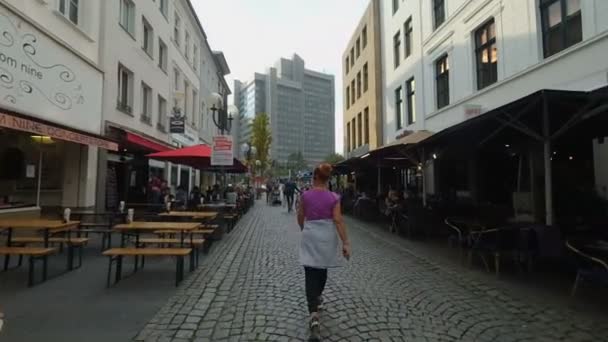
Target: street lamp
{"points": [[221, 118]]}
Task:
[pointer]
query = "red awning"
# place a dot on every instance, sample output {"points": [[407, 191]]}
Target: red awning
{"points": [[145, 143], [198, 157]]}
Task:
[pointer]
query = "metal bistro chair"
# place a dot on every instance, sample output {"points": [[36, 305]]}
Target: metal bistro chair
{"points": [[499, 242], [588, 267]]}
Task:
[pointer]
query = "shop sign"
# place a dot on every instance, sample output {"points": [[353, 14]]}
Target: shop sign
{"points": [[177, 121], [41, 78], [472, 110], [222, 154], [38, 128]]}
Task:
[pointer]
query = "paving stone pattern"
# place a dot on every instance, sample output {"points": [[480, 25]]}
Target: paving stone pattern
{"points": [[251, 288]]}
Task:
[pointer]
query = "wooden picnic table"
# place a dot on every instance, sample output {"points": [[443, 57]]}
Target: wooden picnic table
{"points": [[206, 215], [217, 206], [145, 226], [47, 226]]}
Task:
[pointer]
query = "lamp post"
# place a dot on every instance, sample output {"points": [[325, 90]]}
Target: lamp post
{"points": [[222, 118]]}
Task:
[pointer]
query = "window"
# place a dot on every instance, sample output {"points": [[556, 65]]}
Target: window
{"points": [[486, 55], [396, 49], [187, 46], [176, 78], [366, 126], [70, 9], [395, 6], [438, 12], [195, 57], [194, 103], [561, 25], [146, 103], [360, 129], [347, 65], [163, 6], [186, 99], [127, 16], [398, 108], [442, 77], [347, 97], [148, 40], [125, 90], [359, 84], [162, 55], [410, 94], [352, 56], [162, 113], [352, 92], [407, 39], [365, 78], [176, 29], [358, 47], [364, 36], [348, 147], [354, 133]]}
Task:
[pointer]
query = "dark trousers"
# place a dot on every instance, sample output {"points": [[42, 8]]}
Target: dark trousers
{"points": [[289, 198], [315, 284]]}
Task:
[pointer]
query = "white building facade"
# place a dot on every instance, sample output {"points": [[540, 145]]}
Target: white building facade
{"points": [[50, 104], [442, 58]]}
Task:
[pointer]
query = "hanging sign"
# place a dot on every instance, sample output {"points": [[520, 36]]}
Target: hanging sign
{"points": [[177, 121], [222, 154]]}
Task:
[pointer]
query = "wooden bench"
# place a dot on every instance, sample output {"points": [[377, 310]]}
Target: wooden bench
{"points": [[34, 254], [194, 243], [231, 219], [116, 255], [73, 243]]}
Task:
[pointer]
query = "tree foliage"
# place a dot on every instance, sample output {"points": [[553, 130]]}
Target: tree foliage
{"points": [[296, 162], [333, 158], [261, 138]]}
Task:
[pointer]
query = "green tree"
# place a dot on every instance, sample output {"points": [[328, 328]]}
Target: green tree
{"points": [[296, 162], [333, 158], [261, 139]]}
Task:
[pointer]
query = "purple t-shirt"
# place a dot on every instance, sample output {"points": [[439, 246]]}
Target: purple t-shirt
{"points": [[319, 204]]}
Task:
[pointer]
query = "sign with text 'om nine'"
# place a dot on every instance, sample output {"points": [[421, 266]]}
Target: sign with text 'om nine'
{"points": [[222, 151]]}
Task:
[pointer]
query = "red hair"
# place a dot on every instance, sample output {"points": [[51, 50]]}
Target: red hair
{"points": [[323, 172]]}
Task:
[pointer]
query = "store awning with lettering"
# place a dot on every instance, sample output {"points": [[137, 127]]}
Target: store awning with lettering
{"points": [[43, 128]]}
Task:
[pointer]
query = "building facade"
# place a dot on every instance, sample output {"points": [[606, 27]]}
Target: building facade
{"points": [[446, 59], [50, 104], [158, 65], [300, 104], [362, 85]]}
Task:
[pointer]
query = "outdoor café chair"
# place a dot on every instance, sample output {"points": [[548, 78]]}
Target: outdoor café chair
{"points": [[589, 267]]}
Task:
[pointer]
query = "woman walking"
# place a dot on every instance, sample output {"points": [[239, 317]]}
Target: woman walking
{"points": [[320, 218]]}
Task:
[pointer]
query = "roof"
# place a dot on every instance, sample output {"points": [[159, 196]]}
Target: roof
{"points": [[221, 62]]}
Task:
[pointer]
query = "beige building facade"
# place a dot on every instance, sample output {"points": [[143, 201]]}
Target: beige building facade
{"points": [[362, 85]]}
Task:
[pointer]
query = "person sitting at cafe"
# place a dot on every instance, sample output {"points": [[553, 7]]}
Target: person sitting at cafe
{"points": [[181, 196], [231, 195], [393, 208], [195, 197]]}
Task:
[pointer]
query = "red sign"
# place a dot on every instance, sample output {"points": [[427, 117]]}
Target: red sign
{"points": [[222, 151], [21, 124]]}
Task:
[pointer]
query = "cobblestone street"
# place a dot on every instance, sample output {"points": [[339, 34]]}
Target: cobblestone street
{"points": [[250, 287]]}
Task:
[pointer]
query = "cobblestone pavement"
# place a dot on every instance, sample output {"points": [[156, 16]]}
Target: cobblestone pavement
{"points": [[250, 288]]}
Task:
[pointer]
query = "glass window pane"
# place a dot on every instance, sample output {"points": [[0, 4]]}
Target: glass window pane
{"points": [[572, 6], [494, 54], [574, 32], [554, 15]]}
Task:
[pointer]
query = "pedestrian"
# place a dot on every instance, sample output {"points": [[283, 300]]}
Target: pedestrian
{"points": [[320, 219], [290, 190]]}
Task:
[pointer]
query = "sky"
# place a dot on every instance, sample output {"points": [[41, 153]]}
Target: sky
{"points": [[253, 34]]}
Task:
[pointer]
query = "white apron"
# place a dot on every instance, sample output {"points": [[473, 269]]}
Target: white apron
{"points": [[319, 246]]}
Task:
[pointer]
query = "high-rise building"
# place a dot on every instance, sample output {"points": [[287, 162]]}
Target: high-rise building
{"points": [[362, 85], [300, 105]]}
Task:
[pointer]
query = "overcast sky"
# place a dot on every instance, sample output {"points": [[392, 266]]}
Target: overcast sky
{"points": [[253, 34]]}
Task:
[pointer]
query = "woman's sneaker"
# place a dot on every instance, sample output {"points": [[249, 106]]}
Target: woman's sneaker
{"points": [[315, 328]]}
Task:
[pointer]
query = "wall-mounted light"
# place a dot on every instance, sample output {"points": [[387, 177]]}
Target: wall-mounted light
{"points": [[571, 158], [434, 155], [365, 156], [43, 139], [507, 145]]}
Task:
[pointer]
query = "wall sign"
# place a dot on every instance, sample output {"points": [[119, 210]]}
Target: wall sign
{"points": [[38, 128], [41, 78], [177, 121]]}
